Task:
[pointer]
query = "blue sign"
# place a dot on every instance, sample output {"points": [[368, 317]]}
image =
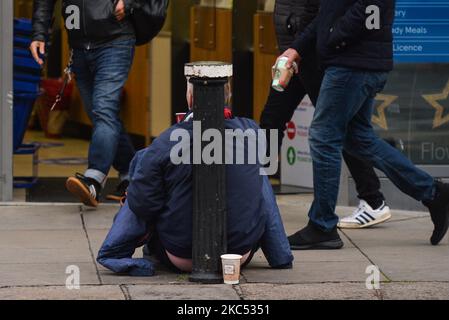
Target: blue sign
{"points": [[421, 31]]}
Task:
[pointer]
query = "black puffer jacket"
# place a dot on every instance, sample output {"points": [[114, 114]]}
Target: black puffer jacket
{"points": [[342, 38], [97, 22], [291, 17]]}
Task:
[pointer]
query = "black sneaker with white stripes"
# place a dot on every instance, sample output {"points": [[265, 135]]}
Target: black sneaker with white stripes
{"points": [[86, 189], [365, 216]]}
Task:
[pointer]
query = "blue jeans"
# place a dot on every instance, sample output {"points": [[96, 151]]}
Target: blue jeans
{"points": [[342, 120], [101, 74], [274, 242], [129, 232]]}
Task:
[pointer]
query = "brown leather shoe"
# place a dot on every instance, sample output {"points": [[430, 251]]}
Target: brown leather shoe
{"points": [[119, 192]]}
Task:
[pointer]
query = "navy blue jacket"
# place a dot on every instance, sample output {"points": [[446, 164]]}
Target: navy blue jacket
{"points": [[341, 37], [160, 192]]}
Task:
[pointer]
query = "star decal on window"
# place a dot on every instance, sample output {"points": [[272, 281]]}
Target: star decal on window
{"points": [[433, 99], [381, 119]]}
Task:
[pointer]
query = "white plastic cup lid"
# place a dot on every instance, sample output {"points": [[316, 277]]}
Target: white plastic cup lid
{"points": [[231, 257]]}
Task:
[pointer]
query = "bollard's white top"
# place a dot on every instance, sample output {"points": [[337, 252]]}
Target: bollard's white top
{"points": [[208, 69]]}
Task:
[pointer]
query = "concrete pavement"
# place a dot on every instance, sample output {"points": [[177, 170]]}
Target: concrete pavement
{"points": [[39, 241]]}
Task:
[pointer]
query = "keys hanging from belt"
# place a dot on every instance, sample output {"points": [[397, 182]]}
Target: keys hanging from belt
{"points": [[67, 79]]}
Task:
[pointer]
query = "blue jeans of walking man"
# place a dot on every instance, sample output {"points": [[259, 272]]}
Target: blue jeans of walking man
{"points": [[101, 74], [342, 119]]}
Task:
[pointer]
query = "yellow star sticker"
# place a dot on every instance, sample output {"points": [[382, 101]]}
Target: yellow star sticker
{"points": [[432, 99], [381, 119]]}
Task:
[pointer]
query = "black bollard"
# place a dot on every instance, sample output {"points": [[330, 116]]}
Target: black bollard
{"points": [[209, 184]]}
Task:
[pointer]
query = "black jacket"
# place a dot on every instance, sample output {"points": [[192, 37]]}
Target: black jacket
{"points": [[291, 17], [342, 38], [98, 24]]}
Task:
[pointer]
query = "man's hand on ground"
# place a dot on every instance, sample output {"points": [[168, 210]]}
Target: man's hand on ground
{"points": [[120, 10], [36, 48], [293, 56]]}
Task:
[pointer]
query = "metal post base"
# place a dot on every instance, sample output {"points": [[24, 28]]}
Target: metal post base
{"points": [[206, 277]]}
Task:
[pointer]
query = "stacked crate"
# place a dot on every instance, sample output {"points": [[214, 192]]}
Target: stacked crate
{"points": [[27, 76]]}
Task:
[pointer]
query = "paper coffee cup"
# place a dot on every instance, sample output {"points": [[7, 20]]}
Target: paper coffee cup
{"points": [[231, 268], [180, 116]]}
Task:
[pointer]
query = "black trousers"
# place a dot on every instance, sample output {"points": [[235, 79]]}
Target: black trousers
{"points": [[279, 110]]}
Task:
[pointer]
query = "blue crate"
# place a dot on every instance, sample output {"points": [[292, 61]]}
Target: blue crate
{"points": [[26, 65], [25, 77], [23, 105], [29, 150], [23, 26], [22, 42], [25, 86], [24, 53]]}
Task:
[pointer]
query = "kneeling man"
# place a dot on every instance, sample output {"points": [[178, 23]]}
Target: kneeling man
{"points": [[159, 204]]}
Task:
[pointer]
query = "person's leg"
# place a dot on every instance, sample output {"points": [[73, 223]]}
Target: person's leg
{"points": [[340, 97], [372, 209], [111, 65], [280, 107], [124, 155], [365, 178], [274, 242], [85, 82], [400, 170], [361, 141], [311, 75], [86, 189], [127, 233], [84, 78], [366, 181], [342, 93]]}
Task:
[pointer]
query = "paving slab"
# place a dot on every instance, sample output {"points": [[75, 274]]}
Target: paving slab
{"points": [[312, 266], [403, 252], [347, 254], [347, 264], [62, 293], [44, 274], [44, 246], [315, 291], [300, 200], [309, 272], [96, 238], [38, 242], [19, 195], [162, 276], [415, 291], [294, 217], [40, 218], [100, 218], [183, 292]]}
